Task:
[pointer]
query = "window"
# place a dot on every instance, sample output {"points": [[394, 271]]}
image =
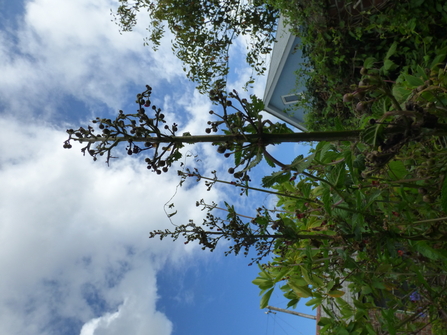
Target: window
{"points": [[289, 99]]}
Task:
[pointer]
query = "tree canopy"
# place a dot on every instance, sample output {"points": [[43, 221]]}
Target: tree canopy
{"points": [[204, 31]]}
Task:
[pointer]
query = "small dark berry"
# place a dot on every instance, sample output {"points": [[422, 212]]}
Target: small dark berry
{"points": [[238, 174], [221, 149], [231, 170]]}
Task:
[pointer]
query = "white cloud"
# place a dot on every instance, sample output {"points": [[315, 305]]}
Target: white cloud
{"points": [[72, 48], [74, 236]]}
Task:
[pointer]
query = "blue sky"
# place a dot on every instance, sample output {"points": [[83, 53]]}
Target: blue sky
{"points": [[75, 253]]}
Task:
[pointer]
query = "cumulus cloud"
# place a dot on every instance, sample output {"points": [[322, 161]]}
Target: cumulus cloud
{"points": [[72, 48], [75, 253], [75, 236]]}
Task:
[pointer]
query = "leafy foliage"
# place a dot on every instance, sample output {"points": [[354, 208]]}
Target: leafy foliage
{"points": [[339, 38], [204, 31]]}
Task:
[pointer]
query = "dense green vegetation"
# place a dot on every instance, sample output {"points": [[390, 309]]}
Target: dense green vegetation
{"points": [[393, 36], [204, 31], [366, 211]]}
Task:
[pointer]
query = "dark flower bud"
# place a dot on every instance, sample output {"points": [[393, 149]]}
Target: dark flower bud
{"points": [[348, 97], [360, 107]]}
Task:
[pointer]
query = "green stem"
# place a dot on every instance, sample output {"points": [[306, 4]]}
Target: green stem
{"points": [[250, 187]]}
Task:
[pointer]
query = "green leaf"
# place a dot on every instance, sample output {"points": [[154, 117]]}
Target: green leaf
{"points": [[370, 199], [420, 72], [315, 302], [391, 51], [369, 62], [276, 177], [397, 170], [337, 175], [389, 65], [321, 150], [269, 161], [380, 106], [301, 291], [413, 81], [254, 162], [299, 165], [373, 135], [263, 284], [292, 303], [359, 162], [265, 299], [438, 59], [299, 281], [324, 321], [336, 293], [283, 273], [237, 154], [327, 199], [401, 93], [429, 252]]}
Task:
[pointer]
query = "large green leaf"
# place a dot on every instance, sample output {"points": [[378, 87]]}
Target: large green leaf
{"points": [[300, 164], [401, 93], [369, 62], [429, 252], [337, 175], [301, 291], [397, 170], [265, 299], [413, 81], [391, 51], [373, 135], [336, 293], [276, 177], [263, 283], [327, 203]]}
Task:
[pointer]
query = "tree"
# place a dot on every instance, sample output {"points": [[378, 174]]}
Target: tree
{"points": [[204, 30], [367, 206]]}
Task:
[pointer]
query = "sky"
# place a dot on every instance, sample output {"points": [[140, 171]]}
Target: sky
{"points": [[75, 256]]}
